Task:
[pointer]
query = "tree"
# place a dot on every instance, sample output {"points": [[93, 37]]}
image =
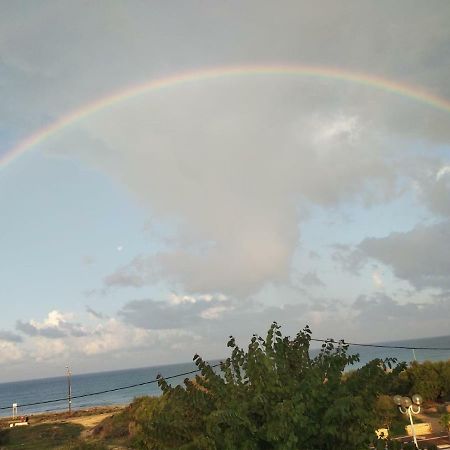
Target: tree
{"points": [[445, 422], [272, 396]]}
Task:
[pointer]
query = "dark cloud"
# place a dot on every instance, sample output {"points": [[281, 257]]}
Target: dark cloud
{"points": [[10, 337], [382, 312], [311, 279], [184, 312], [63, 329], [420, 256], [96, 314], [31, 330], [348, 257], [139, 272]]}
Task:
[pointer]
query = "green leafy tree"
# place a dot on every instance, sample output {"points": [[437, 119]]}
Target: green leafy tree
{"points": [[445, 422], [386, 411], [425, 379], [271, 396]]}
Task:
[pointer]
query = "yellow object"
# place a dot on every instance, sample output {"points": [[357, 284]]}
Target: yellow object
{"points": [[420, 428], [382, 433]]}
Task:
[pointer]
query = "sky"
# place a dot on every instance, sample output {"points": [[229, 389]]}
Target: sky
{"points": [[157, 226]]}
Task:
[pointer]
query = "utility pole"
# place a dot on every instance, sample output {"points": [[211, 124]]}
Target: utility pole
{"points": [[69, 388]]}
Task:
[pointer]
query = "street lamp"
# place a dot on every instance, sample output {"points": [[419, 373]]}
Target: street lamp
{"points": [[406, 406]]}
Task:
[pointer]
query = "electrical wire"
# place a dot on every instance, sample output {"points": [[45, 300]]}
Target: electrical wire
{"points": [[403, 347], [326, 341], [44, 402]]}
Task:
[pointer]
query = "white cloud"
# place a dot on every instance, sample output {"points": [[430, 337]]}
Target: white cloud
{"points": [[377, 279], [442, 172], [10, 351], [43, 349], [341, 127], [215, 312], [54, 326]]}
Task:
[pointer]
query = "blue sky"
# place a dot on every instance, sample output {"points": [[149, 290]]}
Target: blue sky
{"points": [[154, 229]]}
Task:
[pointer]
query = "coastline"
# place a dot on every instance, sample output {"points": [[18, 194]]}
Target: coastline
{"points": [[76, 416]]}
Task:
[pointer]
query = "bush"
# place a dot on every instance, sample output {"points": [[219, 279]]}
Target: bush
{"points": [[386, 411], [272, 396], [425, 380], [125, 425], [4, 437]]}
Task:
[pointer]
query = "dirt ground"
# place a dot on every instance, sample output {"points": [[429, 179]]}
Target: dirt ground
{"points": [[88, 417], [89, 421]]}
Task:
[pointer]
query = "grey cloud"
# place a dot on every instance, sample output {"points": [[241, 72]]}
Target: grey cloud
{"points": [[63, 329], [433, 184], [137, 273], [237, 191], [31, 330], [10, 337], [233, 161], [351, 259], [311, 279], [379, 307], [96, 314], [384, 312], [151, 314], [420, 256]]}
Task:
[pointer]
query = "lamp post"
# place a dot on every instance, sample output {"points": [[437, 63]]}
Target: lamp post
{"points": [[406, 406]]}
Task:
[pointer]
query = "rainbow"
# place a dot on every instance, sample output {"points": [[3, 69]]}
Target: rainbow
{"points": [[413, 92]]}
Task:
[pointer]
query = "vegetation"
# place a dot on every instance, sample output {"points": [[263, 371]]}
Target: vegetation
{"points": [[445, 422], [122, 428], [40, 437], [431, 379], [272, 396]]}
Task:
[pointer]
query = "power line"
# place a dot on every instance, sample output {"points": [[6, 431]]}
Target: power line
{"points": [[403, 347], [326, 341], [44, 402]]}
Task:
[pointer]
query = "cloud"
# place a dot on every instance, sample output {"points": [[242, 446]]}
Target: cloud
{"points": [[377, 279], [311, 279], [239, 193], [233, 166], [180, 312], [95, 314], [31, 330], [10, 352], [420, 256], [236, 163], [384, 312], [55, 326], [7, 336], [442, 172], [430, 182], [350, 258]]}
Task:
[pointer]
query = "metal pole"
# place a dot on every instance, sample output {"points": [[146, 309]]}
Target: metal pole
{"points": [[69, 389], [412, 427]]}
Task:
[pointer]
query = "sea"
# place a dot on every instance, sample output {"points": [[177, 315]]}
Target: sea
{"points": [[50, 394]]}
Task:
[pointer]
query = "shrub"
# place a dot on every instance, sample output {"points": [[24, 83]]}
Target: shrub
{"points": [[272, 396]]}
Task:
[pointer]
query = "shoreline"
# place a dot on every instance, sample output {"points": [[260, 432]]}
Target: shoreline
{"points": [[65, 416]]}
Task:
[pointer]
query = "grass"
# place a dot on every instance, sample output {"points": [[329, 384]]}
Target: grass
{"points": [[41, 437], [54, 433]]}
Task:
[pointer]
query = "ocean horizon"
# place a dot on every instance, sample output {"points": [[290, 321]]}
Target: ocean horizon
{"points": [[44, 389]]}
